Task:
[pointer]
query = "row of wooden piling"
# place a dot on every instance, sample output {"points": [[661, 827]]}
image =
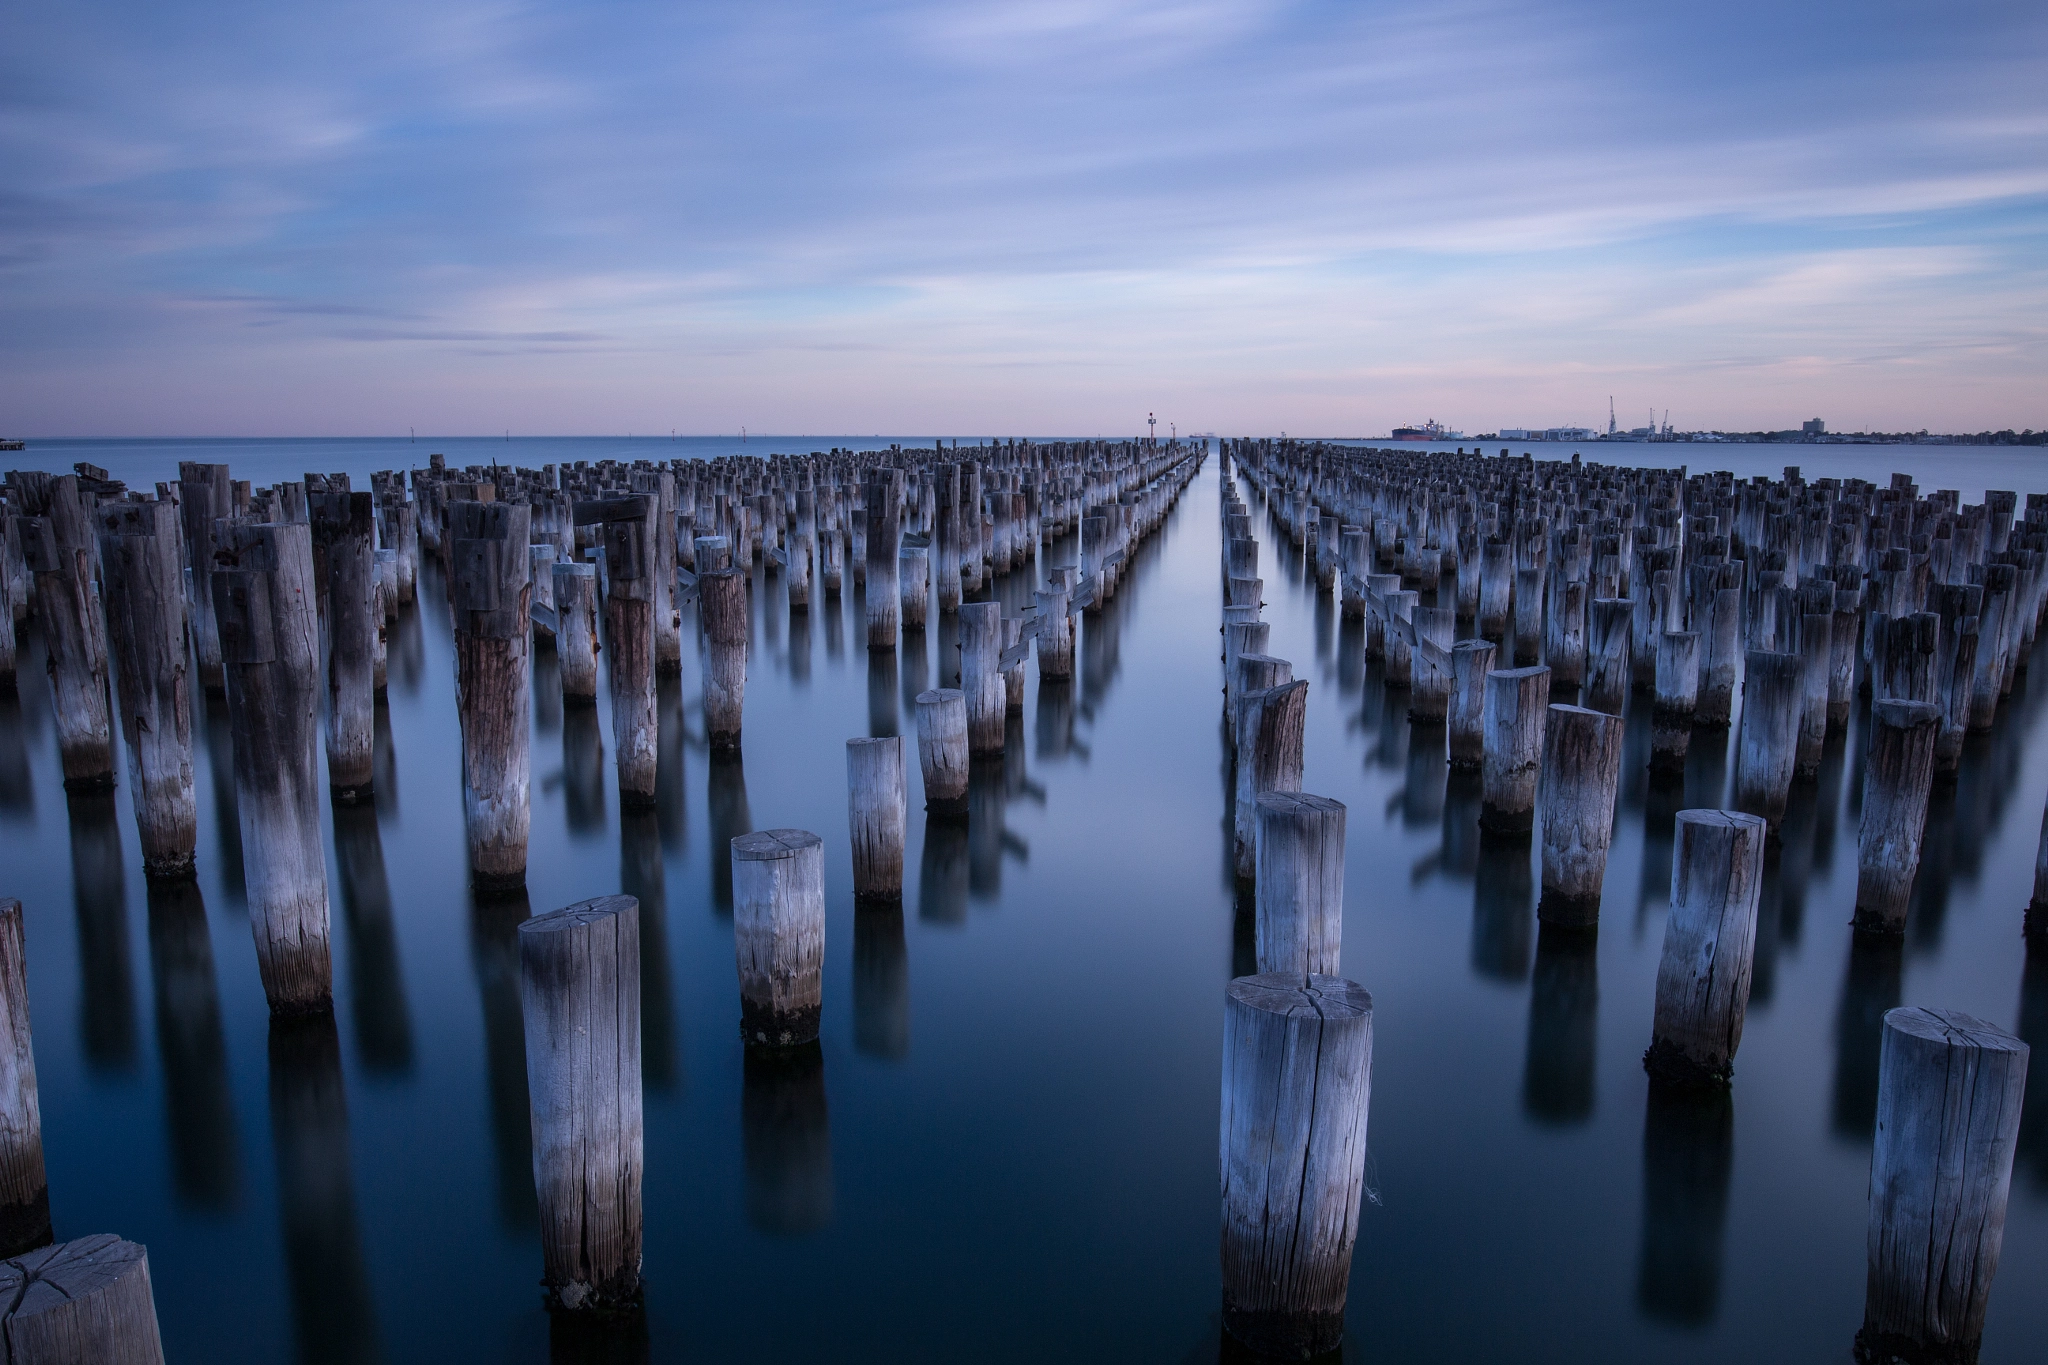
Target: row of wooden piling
{"points": [[1927, 606]]}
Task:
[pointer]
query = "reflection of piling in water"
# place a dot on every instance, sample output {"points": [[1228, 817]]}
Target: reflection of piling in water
{"points": [[881, 981], [943, 875], [579, 973], [1297, 1087], [1459, 854], [1054, 722], [1948, 1112], [726, 801], [915, 667], [199, 1102], [1709, 939], [383, 1023], [1688, 1156], [583, 783], [2032, 1147], [332, 1307], [494, 955], [1503, 899], [1422, 785], [787, 1136], [882, 692], [987, 811], [1564, 1008], [24, 1187], [641, 876], [1870, 987], [227, 823], [106, 997]]}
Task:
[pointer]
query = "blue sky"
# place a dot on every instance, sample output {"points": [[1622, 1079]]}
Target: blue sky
{"points": [[1027, 215]]}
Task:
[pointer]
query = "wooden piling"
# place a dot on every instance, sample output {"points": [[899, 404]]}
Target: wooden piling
{"points": [[1768, 738], [1299, 882], [942, 752], [60, 553], [1898, 776], [579, 990], [344, 544], [723, 601], [1717, 875], [1580, 777], [145, 605], [492, 601], [24, 1185], [204, 496], [1677, 695], [1471, 661], [1055, 631], [263, 593], [1609, 630], [1270, 727], [981, 678], [778, 882], [576, 632], [629, 608], [875, 818], [1517, 700], [87, 1301], [1949, 1096], [1297, 1088]]}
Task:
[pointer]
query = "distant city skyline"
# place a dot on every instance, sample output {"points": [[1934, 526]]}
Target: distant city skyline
{"points": [[1026, 215]]}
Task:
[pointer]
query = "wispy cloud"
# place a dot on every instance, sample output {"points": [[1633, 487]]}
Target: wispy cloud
{"points": [[1028, 214]]}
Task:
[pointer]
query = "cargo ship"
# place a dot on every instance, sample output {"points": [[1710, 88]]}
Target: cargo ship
{"points": [[1428, 431]]}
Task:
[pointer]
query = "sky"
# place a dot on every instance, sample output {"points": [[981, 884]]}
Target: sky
{"points": [[1020, 216]]}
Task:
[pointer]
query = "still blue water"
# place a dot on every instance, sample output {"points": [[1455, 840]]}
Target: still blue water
{"points": [[1009, 1151]]}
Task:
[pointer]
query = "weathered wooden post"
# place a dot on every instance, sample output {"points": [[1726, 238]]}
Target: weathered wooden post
{"points": [[59, 552], [344, 540], [1610, 630], [204, 496], [1300, 884], [1471, 661], [1055, 631], [1516, 702], [1716, 702], [1270, 727], [1431, 678], [884, 550], [87, 1301], [628, 589], [1677, 695], [778, 884], [540, 561], [1717, 877], [576, 632], [493, 684], [1948, 1117], [1496, 587], [1297, 1088], [722, 598], [1580, 776], [915, 570], [270, 654], [579, 990], [981, 678], [875, 817], [24, 1186], [1016, 653], [801, 545], [145, 603], [1898, 776], [1767, 740], [946, 534], [942, 753]]}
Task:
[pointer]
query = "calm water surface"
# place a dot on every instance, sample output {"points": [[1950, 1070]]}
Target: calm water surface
{"points": [[1006, 1147]]}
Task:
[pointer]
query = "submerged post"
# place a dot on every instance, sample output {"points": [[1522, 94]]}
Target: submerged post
{"points": [[270, 653], [1717, 878], [493, 684], [875, 817], [942, 750], [1297, 1089], [24, 1184], [1300, 884], [1580, 776], [778, 890], [579, 990], [88, 1299], [145, 601], [1516, 699], [1948, 1117], [1898, 777]]}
